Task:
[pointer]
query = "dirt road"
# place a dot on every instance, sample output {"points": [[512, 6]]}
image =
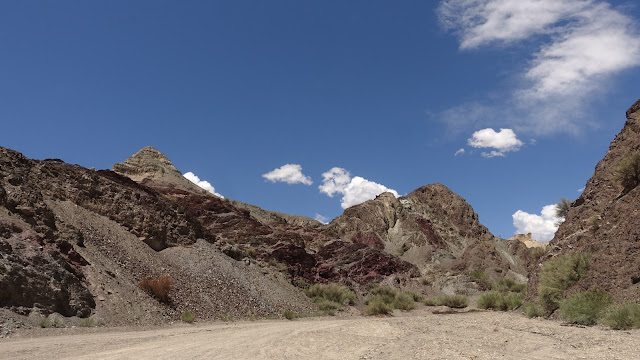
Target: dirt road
{"points": [[416, 335]]}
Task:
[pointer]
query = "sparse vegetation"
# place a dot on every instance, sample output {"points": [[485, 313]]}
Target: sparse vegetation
{"points": [[532, 310], [378, 306], [188, 316], [330, 297], [562, 208], [452, 301], [507, 285], [251, 252], [417, 297], [404, 302], [585, 308], [499, 301], [557, 275], [383, 299], [535, 253], [289, 315], [278, 265], [90, 322], [158, 287], [426, 281], [628, 172], [481, 279], [227, 318], [46, 322], [622, 317], [593, 222], [301, 283]]}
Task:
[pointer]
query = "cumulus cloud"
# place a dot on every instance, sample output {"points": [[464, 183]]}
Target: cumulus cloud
{"points": [[542, 227], [203, 184], [502, 141], [582, 43], [354, 190], [288, 173], [459, 152]]}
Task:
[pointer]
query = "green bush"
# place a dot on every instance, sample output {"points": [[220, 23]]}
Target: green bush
{"points": [[327, 305], [509, 285], [562, 207], [301, 283], [278, 265], [532, 310], [559, 274], [622, 317], [628, 172], [188, 316], [481, 279], [377, 306], [90, 322], [499, 301], [416, 296], [585, 308], [330, 297], [404, 301], [452, 301], [289, 315]]}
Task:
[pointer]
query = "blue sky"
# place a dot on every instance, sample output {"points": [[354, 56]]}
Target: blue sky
{"points": [[384, 93]]}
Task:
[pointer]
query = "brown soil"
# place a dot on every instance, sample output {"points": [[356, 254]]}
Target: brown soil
{"points": [[416, 335]]}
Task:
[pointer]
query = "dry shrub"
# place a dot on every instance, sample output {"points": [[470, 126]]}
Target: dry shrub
{"points": [[158, 287]]}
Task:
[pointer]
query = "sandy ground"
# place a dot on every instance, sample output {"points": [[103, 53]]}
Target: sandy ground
{"points": [[416, 335]]}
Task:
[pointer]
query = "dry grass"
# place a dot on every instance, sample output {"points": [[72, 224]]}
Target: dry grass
{"points": [[158, 287]]}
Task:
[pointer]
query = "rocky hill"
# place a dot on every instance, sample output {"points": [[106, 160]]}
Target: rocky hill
{"points": [[79, 242], [604, 222]]}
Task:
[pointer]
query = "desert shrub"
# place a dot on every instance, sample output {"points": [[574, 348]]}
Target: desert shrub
{"points": [[90, 322], [382, 290], [404, 301], [509, 285], [278, 265], [559, 274], [426, 281], [628, 172], [593, 222], [188, 316], [301, 283], [377, 306], [452, 301], [227, 318], [622, 317], [327, 305], [532, 310], [289, 315], [585, 308], [45, 323], [481, 278], [562, 207], [416, 296], [535, 253], [325, 295], [251, 252], [158, 287], [499, 301]]}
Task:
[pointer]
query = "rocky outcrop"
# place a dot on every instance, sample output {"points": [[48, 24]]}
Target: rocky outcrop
{"points": [[527, 241], [603, 221]]}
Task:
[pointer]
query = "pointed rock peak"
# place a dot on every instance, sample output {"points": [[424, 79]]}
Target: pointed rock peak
{"points": [[153, 168], [386, 197]]}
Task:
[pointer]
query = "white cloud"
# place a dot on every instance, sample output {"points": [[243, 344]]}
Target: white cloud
{"points": [[354, 190], [203, 184], [322, 219], [581, 44], [289, 173], [542, 227], [503, 141], [459, 152]]}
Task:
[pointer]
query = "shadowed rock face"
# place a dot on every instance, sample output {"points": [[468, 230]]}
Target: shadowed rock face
{"points": [[604, 221]]}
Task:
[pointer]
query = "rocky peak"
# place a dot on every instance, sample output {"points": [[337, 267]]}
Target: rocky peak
{"points": [[151, 167]]}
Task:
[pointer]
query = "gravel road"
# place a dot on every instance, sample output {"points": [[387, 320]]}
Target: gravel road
{"points": [[415, 335]]}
